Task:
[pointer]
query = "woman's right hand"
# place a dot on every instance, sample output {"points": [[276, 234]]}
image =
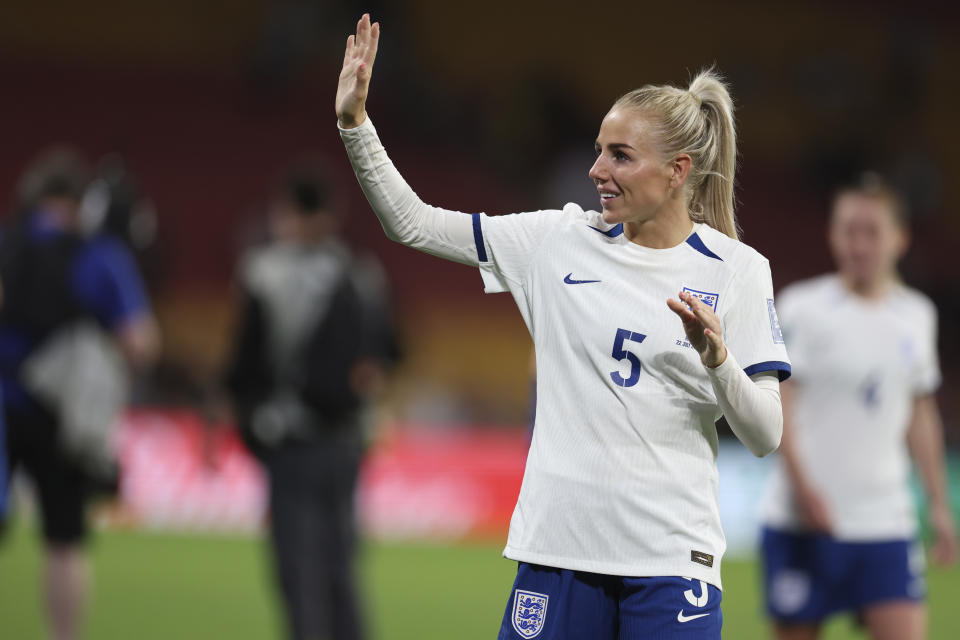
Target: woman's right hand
{"points": [[355, 76], [814, 511]]}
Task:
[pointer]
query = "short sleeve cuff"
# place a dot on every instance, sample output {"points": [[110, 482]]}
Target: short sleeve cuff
{"points": [[928, 387], [493, 282], [782, 368]]}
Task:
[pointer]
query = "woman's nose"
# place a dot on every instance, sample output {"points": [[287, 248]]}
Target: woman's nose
{"points": [[597, 172]]}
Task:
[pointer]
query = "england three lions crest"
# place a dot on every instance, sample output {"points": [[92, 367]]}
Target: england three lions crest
{"points": [[709, 299], [529, 613]]}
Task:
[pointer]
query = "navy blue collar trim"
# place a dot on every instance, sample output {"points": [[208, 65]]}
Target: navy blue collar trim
{"points": [[695, 242], [612, 233]]}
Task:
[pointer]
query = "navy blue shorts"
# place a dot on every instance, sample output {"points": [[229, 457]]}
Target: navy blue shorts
{"points": [[811, 576], [560, 604]]}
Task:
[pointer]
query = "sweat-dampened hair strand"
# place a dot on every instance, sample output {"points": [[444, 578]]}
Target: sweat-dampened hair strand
{"points": [[697, 121]]}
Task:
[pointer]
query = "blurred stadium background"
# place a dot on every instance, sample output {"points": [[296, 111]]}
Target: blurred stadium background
{"points": [[484, 106]]}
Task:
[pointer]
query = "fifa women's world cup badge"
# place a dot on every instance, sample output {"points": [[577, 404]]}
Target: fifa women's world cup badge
{"points": [[529, 613], [774, 323]]}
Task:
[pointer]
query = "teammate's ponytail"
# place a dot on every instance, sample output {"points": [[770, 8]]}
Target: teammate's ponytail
{"points": [[697, 122]]}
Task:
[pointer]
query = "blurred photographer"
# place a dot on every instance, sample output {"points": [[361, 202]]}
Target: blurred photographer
{"points": [[75, 317]]}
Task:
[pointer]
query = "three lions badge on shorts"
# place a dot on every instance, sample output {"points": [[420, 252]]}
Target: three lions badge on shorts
{"points": [[529, 612]]}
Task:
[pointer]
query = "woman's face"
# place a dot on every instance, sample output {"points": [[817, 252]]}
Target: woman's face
{"points": [[633, 179], [865, 238]]}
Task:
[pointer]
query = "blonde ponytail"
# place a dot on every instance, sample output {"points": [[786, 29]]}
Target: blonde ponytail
{"points": [[697, 122]]}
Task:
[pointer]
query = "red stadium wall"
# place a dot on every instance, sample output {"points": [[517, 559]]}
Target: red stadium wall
{"points": [[179, 473]]}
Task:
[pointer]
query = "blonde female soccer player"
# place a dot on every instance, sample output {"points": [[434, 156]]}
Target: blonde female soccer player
{"points": [[616, 529], [840, 527]]}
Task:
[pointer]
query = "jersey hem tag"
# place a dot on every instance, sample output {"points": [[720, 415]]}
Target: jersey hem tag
{"points": [[701, 558]]}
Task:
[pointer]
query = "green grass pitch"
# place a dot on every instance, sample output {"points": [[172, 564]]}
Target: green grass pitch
{"points": [[153, 587]]}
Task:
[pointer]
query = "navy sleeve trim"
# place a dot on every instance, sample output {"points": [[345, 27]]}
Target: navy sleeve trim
{"points": [[478, 238], [782, 368], [697, 243]]}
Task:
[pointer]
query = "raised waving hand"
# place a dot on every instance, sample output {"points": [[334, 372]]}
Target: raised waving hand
{"points": [[355, 76]]}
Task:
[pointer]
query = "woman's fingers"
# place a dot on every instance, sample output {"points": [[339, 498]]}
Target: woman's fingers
{"points": [[363, 46], [364, 34], [358, 57], [348, 51], [702, 328], [371, 51], [681, 310], [685, 310], [944, 551], [713, 338], [362, 25], [703, 313]]}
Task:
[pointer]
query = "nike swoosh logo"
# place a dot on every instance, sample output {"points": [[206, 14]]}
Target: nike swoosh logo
{"points": [[570, 280], [682, 618]]}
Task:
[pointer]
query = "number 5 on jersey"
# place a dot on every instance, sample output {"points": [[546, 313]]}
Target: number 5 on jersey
{"points": [[620, 353]]}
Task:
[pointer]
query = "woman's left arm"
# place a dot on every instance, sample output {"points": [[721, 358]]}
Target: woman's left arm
{"points": [[751, 404], [925, 439]]}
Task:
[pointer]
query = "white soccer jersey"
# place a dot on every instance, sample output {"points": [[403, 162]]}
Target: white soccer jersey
{"points": [[621, 476], [858, 365]]}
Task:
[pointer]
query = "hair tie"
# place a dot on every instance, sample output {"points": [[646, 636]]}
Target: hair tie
{"points": [[700, 103]]}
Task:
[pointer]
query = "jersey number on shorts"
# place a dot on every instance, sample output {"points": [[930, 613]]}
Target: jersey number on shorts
{"points": [[619, 353]]}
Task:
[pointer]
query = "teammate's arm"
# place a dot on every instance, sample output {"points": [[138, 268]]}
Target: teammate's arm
{"points": [[925, 439], [115, 292], [139, 340], [812, 507], [404, 216]]}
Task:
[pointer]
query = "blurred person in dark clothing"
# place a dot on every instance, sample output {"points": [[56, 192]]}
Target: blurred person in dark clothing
{"points": [[3, 454], [55, 277], [312, 346], [115, 204]]}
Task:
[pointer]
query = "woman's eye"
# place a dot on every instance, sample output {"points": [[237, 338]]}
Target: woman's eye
{"points": [[620, 155]]}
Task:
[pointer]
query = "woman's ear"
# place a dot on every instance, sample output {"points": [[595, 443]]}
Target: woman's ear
{"points": [[681, 167], [903, 241]]}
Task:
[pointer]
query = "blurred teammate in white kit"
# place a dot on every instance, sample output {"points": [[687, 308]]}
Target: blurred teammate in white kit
{"points": [[840, 532]]}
